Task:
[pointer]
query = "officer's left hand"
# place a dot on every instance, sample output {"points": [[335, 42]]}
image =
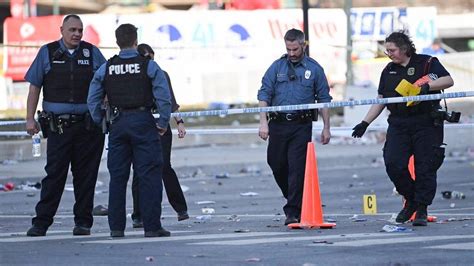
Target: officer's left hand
{"points": [[181, 131], [325, 136]]}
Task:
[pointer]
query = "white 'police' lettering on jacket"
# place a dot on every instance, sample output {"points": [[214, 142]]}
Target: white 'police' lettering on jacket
{"points": [[83, 62], [124, 69]]}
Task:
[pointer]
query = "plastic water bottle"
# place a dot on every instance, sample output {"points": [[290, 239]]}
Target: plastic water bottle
{"points": [[36, 150]]}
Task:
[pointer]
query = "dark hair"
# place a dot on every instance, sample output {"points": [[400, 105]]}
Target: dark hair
{"points": [[145, 50], [126, 35], [66, 18], [295, 35], [402, 41]]}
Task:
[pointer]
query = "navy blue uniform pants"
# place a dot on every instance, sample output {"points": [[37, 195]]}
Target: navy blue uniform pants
{"points": [[82, 149], [286, 156], [170, 180], [418, 136], [134, 138]]}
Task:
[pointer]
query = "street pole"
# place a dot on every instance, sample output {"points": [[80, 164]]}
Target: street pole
{"points": [[349, 73], [305, 24], [55, 7]]}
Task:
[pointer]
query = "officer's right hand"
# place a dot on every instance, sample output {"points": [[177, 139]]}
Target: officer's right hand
{"points": [[31, 127], [161, 130], [263, 131], [360, 129]]}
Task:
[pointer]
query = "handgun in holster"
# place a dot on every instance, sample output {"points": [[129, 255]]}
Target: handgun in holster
{"points": [[46, 122]]}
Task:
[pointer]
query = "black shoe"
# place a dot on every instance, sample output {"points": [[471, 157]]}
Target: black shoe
{"points": [[36, 231], [159, 233], [117, 233], [137, 223], [291, 220], [407, 212], [81, 231], [183, 215], [421, 217]]}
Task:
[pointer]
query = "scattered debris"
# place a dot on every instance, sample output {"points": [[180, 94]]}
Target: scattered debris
{"points": [[150, 258], [242, 231], [453, 195], [322, 242], [203, 202], [248, 194], [393, 228], [208, 210], [253, 260]]}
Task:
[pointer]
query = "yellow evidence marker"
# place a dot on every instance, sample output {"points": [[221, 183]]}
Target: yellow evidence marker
{"points": [[370, 204]]}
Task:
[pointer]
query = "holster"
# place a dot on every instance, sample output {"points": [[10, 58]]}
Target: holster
{"points": [[47, 123]]}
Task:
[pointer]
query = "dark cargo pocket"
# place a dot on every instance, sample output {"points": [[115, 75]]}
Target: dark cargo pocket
{"points": [[438, 157]]}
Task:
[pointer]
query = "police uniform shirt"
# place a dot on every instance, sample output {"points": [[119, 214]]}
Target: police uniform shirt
{"points": [[41, 66], [303, 84], [411, 72], [160, 90]]}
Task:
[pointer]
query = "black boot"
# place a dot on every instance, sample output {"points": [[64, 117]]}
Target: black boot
{"points": [[421, 217], [407, 211]]}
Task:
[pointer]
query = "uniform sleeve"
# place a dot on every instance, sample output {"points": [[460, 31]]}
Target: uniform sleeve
{"points": [[174, 104], [437, 68], [381, 82], [161, 92], [38, 68], [98, 58], [322, 87], [96, 94], [266, 91]]}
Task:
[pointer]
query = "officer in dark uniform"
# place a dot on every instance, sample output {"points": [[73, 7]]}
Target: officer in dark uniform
{"points": [[293, 79], [170, 179], [64, 69], [413, 130], [133, 84]]}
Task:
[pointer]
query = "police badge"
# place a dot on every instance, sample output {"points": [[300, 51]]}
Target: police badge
{"points": [[86, 52], [307, 74], [411, 71]]}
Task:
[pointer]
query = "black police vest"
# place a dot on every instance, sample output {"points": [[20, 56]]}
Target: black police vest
{"points": [[69, 77], [420, 66], [127, 84]]}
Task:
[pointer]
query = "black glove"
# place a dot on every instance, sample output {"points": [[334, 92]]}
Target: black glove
{"points": [[360, 129], [425, 89]]}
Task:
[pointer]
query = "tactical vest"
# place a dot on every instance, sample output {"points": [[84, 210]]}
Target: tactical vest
{"points": [[69, 77], [421, 68], [127, 84]]}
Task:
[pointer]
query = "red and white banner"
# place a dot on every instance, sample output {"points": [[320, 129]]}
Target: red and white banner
{"points": [[23, 38]]}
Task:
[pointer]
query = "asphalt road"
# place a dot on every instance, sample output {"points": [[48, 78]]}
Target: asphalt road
{"points": [[249, 229]]}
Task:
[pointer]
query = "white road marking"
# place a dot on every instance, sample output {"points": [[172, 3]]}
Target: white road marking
{"points": [[179, 238], [458, 246], [293, 238], [48, 237], [24, 233], [400, 240]]}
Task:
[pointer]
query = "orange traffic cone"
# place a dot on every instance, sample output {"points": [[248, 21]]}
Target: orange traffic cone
{"points": [[311, 209], [411, 169]]}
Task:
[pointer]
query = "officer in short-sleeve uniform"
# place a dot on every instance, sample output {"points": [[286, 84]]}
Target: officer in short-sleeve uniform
{"points": [[64, 69], [413, 130]]}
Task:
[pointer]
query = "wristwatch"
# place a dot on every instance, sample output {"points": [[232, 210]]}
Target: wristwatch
{"points": [[180, 122]]}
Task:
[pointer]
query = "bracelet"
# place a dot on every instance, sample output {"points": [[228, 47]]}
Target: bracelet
{"points": [[180, 122]]}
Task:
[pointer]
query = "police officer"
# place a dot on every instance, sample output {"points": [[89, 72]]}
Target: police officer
{"points": [[170, 179], [133, 84], [293, 79], [64, 69], [412, 130]]}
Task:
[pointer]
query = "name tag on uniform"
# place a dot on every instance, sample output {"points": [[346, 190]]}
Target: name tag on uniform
{"points": [[124, 69], [307, 74], [58, 62], [392, 72]]}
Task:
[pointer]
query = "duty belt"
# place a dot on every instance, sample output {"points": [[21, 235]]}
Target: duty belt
{"points": [[133, 109], [283, 117]]}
